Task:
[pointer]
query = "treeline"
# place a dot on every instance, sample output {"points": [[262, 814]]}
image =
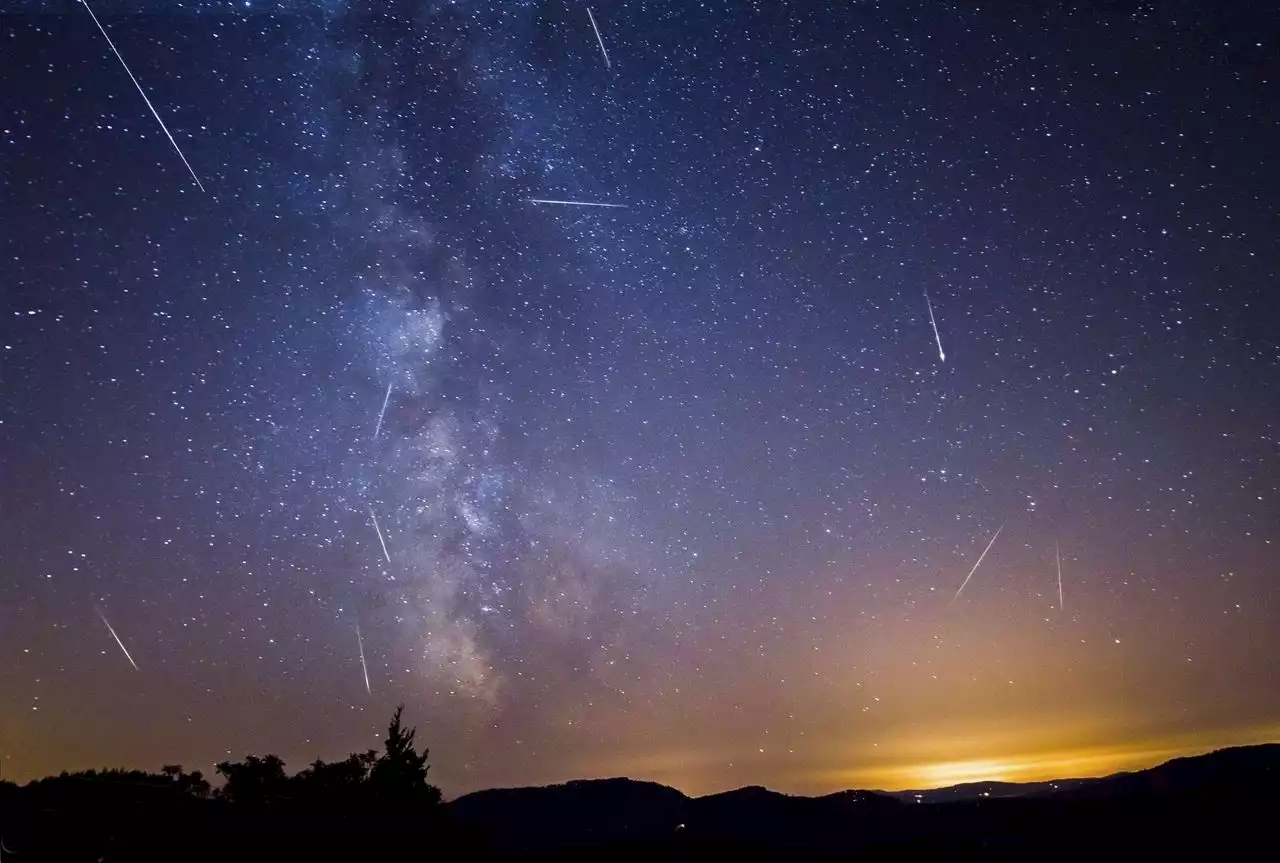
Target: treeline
{"points": [[396, 777], [370, 803]]}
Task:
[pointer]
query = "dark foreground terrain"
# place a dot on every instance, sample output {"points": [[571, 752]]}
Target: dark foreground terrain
{"points": [[1224, 805]]}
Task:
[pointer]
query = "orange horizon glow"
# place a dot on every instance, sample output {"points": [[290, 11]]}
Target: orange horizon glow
{"points": [[680, 769], [1080, 762]]}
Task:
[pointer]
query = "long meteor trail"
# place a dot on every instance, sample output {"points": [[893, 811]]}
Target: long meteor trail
{"points": [[154, 113], [363, 666], [116, 637], [573, 203], [979, 563], [607, 64], [382, 412], [382, 541], [1057, 556], [941, 356]]}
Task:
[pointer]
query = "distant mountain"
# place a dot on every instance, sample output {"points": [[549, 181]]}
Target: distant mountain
{"points": [[625, 810], [1180, 774], [1239, 770], [1189, 802], [758, 814], [585, 811], [975, 790]]}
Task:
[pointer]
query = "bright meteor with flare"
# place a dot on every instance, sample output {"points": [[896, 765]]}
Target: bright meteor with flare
{"points": [[574, 203], [607, 64], [112, 630], [154, 113]]}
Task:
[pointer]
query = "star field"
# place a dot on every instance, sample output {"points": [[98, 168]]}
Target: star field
{"points": [[680, 488]]}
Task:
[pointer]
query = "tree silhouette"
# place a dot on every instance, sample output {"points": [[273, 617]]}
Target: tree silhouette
{"points": [[253, 780], [400, 774], [396, 777], [336, 780], [192, 783]]}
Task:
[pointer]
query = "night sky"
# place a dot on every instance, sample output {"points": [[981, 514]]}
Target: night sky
{"points": [[679, 489]]}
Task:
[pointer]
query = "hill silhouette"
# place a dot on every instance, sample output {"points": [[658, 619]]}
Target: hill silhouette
{"points": [[376, 806], [975, 790], [1209, 802], [582, 812]]}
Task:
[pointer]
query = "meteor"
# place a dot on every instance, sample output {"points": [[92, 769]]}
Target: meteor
{"points": [[979, 563], [573, 203], [607, 64], [382, 412], [117, 638], [1058, 557], [938, 338], [363, 666], [382, 541], [154, 113]]}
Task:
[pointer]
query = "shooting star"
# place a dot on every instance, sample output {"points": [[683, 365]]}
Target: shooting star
{"points": [[154, 113], [1057, 556], [607, 64], [363, 666], [574, 203], [117, 638], [979, 563], [382, 412], [938, 338], [385, 553]]}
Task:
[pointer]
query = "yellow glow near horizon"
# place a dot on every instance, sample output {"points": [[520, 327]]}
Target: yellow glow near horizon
{"points": [[999, 756], [958, 772], [1073, 763]]}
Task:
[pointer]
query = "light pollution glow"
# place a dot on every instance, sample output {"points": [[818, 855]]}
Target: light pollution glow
{"points": [[996, 757]]}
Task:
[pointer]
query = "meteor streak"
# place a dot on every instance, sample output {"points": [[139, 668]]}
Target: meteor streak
{"points": [[363, 666], [1058, 557], [938, 338], [154, 113], [382, 412], [573, 203], [979, 563], [607, 64], [382, 541], [117, 638]]}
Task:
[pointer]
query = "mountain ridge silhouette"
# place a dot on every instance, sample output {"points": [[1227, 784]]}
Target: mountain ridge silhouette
{"points": [[1214, 805], [592, 812]]}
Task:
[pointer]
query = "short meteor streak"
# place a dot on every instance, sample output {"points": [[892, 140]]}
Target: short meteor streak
{"points": [[154, 113], [382, 412], [607, 64], [574, 203], [363, 666], [938, 338], [117, 638], [1057, 556], [979, 563], [382, 541]]}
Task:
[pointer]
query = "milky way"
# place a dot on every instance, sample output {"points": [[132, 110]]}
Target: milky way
{"points": [[576, 362]]}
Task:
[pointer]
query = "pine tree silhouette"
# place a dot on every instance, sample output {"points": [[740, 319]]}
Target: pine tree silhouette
{"points": [[400, 774]]}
